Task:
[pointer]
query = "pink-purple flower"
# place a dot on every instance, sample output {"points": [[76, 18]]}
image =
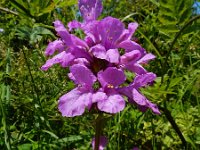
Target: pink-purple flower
{"points": [[98, 63], [97, 60]]}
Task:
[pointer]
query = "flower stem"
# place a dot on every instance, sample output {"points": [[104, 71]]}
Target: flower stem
{"points": [[98, 130]]}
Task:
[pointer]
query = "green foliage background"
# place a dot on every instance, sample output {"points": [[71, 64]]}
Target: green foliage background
{"points": [[28, 103]]}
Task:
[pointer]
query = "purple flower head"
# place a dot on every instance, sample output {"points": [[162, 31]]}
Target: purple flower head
{"points": [[98, 63]]}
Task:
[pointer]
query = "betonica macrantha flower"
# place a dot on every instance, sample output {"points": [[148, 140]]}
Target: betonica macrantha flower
{"points": [[102, 58], [98, 63]]}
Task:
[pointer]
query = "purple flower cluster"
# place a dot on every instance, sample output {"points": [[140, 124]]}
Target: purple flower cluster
{"points": [[98, 63]]}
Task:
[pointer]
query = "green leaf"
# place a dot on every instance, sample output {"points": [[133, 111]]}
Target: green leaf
{"points": [[21, 7], [190, 141], [174, 82], [23, 32], [48, 9], [155, 2], [173, 14], [51, 133], [37, 32], [67, 3], [25, 147], [41, 31]]}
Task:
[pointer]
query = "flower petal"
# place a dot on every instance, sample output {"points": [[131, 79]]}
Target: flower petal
{"points": [[130, 57], [112, 76], [82, 75], [80, 53], [154, 108], [53, 46], [78, 42], [127, 34], [146, 58], [111, 29], [82, 61], [112, 55], [129, 45], [71, 77], [63, 58], [139, 98], [126, 91], [93, 30], [63, 33], [144, 79], [136, 68], [131, 28], [68, 39], [89, 41], [74, 25], [74, 103], [99, 96], [90, 9], [102, 143], [98, 51], [143, 103], [114, 104], [150, 105]]}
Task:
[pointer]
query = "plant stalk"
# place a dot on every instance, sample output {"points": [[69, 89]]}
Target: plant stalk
{"points": [[98, 130], [174, 125]]}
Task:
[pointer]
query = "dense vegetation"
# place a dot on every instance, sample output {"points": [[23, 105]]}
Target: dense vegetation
{"points": [[170, 29]]}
